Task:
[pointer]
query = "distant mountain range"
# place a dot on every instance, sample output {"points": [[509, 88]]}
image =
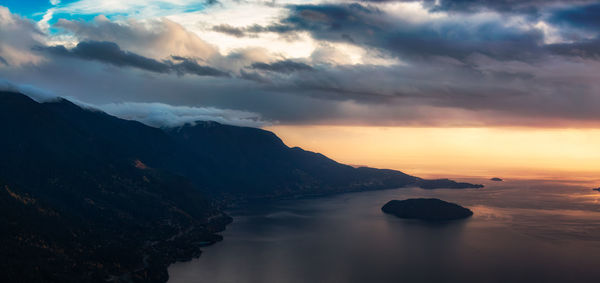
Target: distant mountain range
{"points": [[85, 196]]}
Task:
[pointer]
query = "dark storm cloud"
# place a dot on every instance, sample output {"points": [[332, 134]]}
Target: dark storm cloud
{"points": [[283, 66], [583, 17], [494, 94], [580, 25], [582, 49], [111, 53], [369, 26], [108, 52], [185, 65], [530, 7], [253, 76], [455, 70], [521, 6]]}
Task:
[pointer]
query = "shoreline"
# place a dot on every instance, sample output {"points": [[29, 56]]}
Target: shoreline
{"points": [[242, 201]]}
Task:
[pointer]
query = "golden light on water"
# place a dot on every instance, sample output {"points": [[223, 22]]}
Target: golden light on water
{"points": [[514, 152]]}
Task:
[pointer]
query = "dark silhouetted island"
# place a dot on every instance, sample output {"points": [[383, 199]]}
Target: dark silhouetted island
{"points": [[430, 209], [597, 189], [496, 179]]}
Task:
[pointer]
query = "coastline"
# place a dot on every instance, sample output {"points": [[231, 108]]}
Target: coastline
{"points": [[196, 252]]}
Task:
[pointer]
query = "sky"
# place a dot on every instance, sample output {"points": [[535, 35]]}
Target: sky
{"points": [[458, 86]]}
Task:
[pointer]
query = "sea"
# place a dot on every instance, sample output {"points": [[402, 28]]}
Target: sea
{"points": [[521, 231]]}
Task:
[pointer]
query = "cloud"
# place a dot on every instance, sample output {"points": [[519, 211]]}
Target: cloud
{"points": [[17, 36], [155, 38], [230, 30], [111, 53], [369, 64], [108, 52], [164, 115], [185, 65], [254, 76], [253, 30], [372, 27], [160, 40], [37, 94], [580, 16], [152, 114], [283, 66], [532, 7], [582, 49], [328, 54]]}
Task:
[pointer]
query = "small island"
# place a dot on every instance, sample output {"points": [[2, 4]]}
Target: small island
{"points": [[430, 209], [597, 189], [496, 179]]}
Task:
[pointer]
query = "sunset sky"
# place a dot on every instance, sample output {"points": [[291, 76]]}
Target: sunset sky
{"points": [[445, 87]]}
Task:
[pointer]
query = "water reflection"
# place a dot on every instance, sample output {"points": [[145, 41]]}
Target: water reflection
{"points": [[522, 231]]}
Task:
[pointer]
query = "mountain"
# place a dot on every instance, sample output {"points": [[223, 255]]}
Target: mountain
{"points": [[85, 196], [76, 209], [235, 162], [254, 162]]}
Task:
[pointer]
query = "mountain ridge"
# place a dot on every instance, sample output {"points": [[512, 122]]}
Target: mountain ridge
{"points": [[117, 199]]}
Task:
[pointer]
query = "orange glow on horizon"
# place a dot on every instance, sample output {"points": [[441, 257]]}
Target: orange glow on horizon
{"points": [[473, 152]]}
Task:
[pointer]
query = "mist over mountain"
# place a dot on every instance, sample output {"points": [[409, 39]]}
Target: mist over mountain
{"points": [[86, 196]]}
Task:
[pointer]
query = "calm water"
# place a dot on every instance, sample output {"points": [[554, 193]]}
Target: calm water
{"points": [[525, 231]]}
